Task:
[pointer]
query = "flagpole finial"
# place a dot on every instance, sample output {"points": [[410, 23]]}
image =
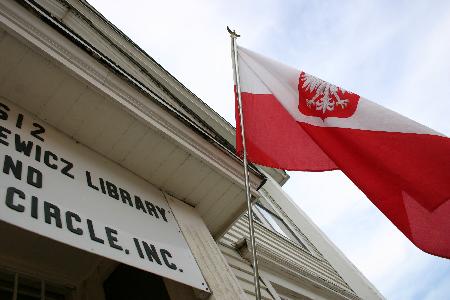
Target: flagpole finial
{"points": [[232, 33]]}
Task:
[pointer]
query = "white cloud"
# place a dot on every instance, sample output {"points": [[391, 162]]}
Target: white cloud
{"points": [[189, 39], [326, 196], [424, 92], [441, 290]]}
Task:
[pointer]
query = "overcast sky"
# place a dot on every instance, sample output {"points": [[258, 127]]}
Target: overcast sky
{"points": [[396, 53]]}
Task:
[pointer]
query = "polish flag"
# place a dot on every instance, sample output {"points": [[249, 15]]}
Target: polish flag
{"points": [[295, 121]]}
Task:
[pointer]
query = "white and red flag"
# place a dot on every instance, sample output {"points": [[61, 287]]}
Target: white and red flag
{"points": [[295, 121]]}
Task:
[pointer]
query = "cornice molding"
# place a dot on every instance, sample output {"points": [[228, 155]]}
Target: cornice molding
{"points": [[272, 260]]}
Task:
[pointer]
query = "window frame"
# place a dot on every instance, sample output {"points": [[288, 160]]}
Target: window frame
{"points": [[267, 223], [43, 289]]}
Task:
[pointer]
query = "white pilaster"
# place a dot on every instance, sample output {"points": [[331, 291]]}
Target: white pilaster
{"points": [[220, 278]]}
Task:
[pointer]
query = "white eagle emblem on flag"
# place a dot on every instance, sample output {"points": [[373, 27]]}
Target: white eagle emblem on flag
{"points": [[324, 99]]}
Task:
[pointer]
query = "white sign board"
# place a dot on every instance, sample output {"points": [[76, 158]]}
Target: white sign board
{"points": [[58, 188]]}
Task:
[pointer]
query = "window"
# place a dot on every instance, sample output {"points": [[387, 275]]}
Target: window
{"points": [[277, 224], [21, 287]]}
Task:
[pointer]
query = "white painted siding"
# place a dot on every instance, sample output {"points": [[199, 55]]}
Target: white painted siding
{"points": [[294, 259]]}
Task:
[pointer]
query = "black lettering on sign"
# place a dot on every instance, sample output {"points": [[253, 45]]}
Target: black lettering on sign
{"points": [[116, 192], [38, 131], [126, 197], [70, 217], [37, 152], [34, 207], [112, 190], [165, 254], [24, 147], [34, 177], [15, 168], [92, 232], [19, 121], [89, 181], [4, 111], [48, 156], [102, 185], [52, 211], [138, 247], [3, 136], [111, 234], [138, 203], [66, 169], [151, 209], [162, 212], [10, 192], [151, 252]]}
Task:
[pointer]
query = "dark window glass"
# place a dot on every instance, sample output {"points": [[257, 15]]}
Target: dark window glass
{"points": [[29, 288], [6, 285]]}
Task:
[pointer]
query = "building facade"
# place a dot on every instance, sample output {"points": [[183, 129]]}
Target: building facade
{"points": [[119, 183]]}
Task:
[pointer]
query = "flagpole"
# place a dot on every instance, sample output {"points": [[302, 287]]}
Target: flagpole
{"points": [[251, 228]]}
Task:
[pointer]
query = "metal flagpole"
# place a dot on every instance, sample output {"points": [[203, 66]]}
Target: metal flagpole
{"points": [[234, 36]]}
